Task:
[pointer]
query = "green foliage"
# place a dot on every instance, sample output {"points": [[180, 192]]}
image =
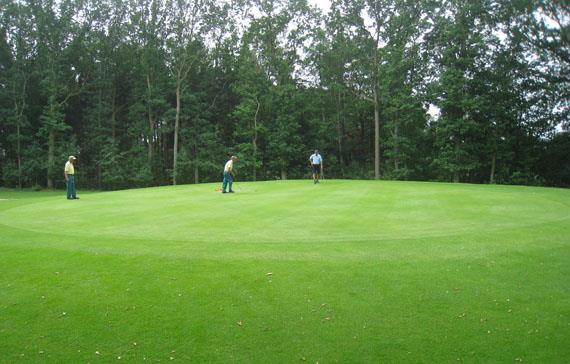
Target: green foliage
{"points": [[272, 80], [284, 147], [554, 165], [111, 165], [10, 173]]}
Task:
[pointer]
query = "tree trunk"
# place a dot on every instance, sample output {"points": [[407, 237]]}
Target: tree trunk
{"points": [[195, 154], [456, 176], [254, 159], [150, 121], [493, 157], [376, 134], [363, 136], [456, 169], [493, 166], [19, 111], [19, 152], [114, 122], [339, 134], [376, 99], [176, 129], [51, 157], [99, 176], [396, 147], [255, 140]]}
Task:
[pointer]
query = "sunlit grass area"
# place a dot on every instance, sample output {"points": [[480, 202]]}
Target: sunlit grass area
{"points": [[342, 271]]}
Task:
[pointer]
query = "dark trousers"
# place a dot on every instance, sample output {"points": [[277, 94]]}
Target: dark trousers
{"points": [[71, 186], [228, 180]]}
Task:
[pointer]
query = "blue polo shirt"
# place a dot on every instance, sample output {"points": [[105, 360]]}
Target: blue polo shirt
{"points": [[316, 158]]}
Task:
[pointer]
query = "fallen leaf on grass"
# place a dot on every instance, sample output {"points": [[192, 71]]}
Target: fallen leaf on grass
{"points": [[239, 323]]}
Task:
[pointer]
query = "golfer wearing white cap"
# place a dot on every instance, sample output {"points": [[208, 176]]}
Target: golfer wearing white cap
{"points": [[229, 174], [69, 173]]}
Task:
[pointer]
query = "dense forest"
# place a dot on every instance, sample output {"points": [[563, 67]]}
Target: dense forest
{"points": [[156, 92]]}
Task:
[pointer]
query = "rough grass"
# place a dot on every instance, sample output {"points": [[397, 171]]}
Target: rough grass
{"points": [[344, 271]]}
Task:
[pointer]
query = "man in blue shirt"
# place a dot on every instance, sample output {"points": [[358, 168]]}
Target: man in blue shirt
{"points": [[317, 165]]}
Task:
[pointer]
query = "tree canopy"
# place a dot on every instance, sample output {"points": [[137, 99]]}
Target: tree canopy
{"points": [[156, 92]]}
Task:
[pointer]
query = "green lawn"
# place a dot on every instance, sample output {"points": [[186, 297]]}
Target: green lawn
{"points": [[286, 272]]}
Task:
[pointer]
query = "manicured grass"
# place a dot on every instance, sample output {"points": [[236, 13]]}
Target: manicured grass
{"points": [[344, 271]]}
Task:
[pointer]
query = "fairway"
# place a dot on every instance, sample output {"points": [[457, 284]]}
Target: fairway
{"points": [[285, 272]]}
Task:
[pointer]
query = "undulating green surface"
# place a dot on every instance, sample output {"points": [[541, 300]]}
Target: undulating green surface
{"points": [[344, 271]]}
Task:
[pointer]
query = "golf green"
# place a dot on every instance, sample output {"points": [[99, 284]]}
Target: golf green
{"points": [[287, 271]]}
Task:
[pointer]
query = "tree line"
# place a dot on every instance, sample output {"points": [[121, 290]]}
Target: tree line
{"points": [[156, 92]]}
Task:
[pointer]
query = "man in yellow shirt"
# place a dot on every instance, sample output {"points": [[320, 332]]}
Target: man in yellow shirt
{"points": [[229, 174], [69, 173]]}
